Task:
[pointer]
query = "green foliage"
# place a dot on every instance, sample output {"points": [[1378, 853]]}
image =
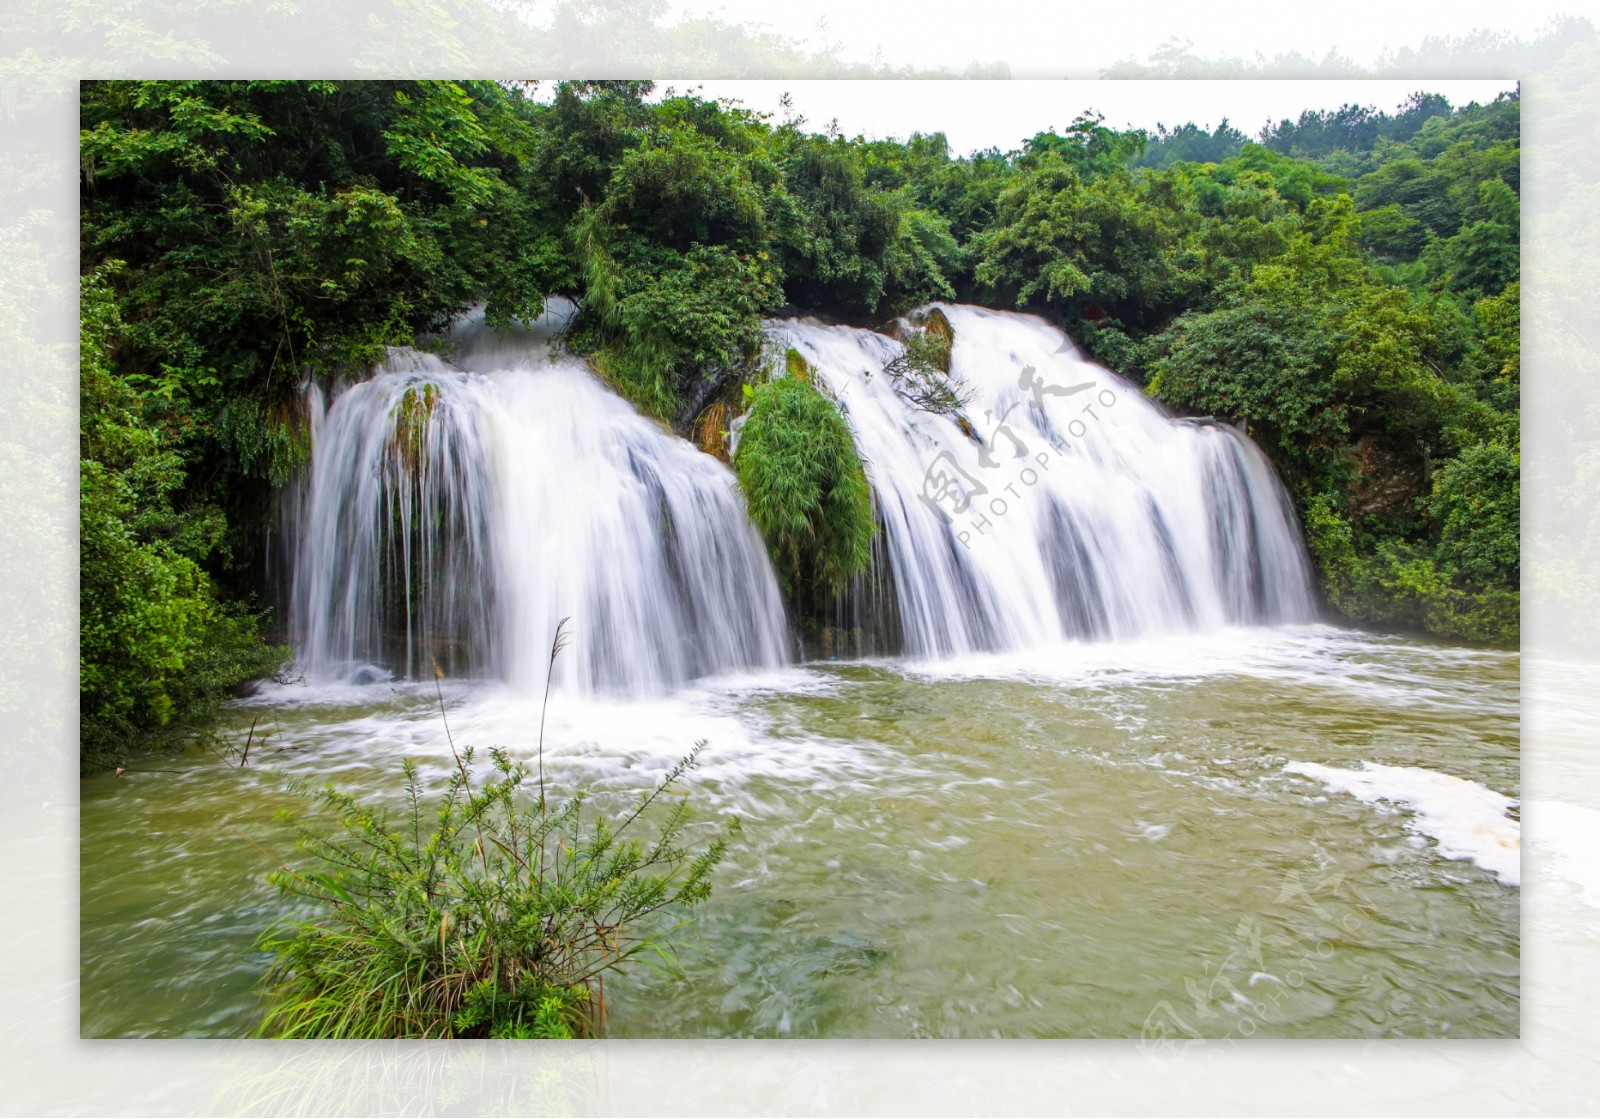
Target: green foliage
{"points": [[796, 365], [1269, 365], [680, 189], [1086, 145], [921, 372], [1315, 352], [1495, 364], [1349, 278], [675, 264], [411, 414], [492, 913], [805, 488], [272, 229], [847, 245], [1483, 257], [1459, 579], [1476, 505], [1189, 144], [1391, 234], [157, 650], [1331, 542], [1060, 241], [656, 319], [1316, 348]]}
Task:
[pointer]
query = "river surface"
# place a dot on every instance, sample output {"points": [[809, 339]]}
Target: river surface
{"points": [[1292, 832]]}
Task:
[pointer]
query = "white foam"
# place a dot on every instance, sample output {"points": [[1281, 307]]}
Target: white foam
{"points": [[1415, 675], [604, 743], [1466, 819]]}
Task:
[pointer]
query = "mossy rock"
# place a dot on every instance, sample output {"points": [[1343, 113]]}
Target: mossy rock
{"points": [[938, 338], [711, 430], [411, 415], [921, 374], [796, 365]]}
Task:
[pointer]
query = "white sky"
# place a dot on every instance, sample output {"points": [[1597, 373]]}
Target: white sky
{"points": [[1054, 38], [982, 114]]}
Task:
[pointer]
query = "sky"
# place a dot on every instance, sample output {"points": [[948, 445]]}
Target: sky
{"points": [[1052, 38], [1001, 114]]}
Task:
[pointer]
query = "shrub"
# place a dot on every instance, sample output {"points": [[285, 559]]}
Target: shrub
{"points": [[805, 487], [658, 322], [499, 920], [1477, 502], [1416, 586], [1268, 362]]}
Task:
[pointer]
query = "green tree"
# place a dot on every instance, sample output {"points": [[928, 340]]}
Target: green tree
{"points": [[156, 649]]}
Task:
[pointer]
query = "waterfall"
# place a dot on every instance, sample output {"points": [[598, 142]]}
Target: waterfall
{"points": [[457, 510], [1065, 506]]}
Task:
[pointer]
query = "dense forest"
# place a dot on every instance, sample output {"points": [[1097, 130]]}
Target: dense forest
{"points": [[1345, 286]]}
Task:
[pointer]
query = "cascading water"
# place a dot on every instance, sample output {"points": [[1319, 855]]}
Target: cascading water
{"points": [[456, 512], [1070, 507]]}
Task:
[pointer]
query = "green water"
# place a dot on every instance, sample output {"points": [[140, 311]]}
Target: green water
{"points": [[1093, 842]]}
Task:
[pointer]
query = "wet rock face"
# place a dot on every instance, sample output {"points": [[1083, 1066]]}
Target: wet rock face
{"points": [[936, 325], [1387, 481], [711, 431]]}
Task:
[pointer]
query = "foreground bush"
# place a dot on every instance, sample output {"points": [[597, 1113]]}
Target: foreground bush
{"points": [[496, 914]]}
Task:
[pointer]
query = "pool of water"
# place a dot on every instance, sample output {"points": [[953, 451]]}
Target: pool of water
{"points": [[1298, 832]]}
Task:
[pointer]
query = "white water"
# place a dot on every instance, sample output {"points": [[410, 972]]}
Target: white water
{"points": [[538, 494], [1084, 512], [534, 493], [1466, 819]]}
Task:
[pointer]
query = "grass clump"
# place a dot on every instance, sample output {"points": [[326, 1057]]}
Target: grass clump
{"points": [[805, 487], [495, 913], [796, 365]]}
